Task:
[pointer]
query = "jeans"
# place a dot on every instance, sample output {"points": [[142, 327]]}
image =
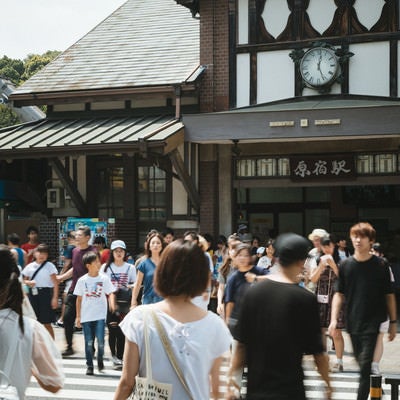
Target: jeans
{"points": [[93, 329], [363, 348]]}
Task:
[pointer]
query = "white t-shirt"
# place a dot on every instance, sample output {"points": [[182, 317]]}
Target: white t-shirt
{"points": [[43, 277], [120, 275], [196, 345], [36, 351], [93, 290]]}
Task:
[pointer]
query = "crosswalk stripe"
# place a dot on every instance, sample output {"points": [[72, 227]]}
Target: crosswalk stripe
{"points": [[35, 393], [102, 386]]}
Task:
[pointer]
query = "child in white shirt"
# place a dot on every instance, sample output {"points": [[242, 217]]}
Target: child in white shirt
{"points": [[41, 278], [91, 308]]}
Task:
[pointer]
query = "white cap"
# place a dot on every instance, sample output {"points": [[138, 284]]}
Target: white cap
{"points": [[118, 244], [318, 233], [260, 250]]}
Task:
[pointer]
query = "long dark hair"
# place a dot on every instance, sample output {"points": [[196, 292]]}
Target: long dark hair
{"points": [[149, 238], [11, 295]]}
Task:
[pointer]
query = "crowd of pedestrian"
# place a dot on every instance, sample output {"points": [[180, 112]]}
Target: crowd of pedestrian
{"points": [[267, 302]]}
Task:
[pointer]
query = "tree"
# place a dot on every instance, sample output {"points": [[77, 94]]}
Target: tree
{"points": [[7, 116], [18, 71], [35, 62], [11, 69]]}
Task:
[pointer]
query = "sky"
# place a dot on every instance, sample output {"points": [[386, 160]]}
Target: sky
{"points": [[35, 26]]}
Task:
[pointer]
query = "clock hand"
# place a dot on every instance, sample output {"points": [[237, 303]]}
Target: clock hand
{"points": [[319, 63]]}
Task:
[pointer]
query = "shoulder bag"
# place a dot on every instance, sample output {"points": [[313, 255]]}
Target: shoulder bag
{"points": [[147, 388], [123, 295], [8, 392], [324, 298]]}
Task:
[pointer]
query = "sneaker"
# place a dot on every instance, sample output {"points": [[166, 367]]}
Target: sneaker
{"points": [[60, 324], [68, 352], [89, 371], [337, 367], [116, 361], [100, 365]]}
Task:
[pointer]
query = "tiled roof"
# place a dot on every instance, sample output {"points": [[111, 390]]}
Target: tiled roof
{"points": [[91, 136], [142, 43]]}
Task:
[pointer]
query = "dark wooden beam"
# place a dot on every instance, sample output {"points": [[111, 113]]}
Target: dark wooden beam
{"points": [[185, 178], [69, 186]]}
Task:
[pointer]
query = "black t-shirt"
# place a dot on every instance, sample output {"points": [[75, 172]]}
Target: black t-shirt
{"points": [[365, 285], [278, 323], [237, 285]]}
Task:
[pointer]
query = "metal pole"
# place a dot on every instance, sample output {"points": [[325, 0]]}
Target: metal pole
{"points": [[375, 390]]}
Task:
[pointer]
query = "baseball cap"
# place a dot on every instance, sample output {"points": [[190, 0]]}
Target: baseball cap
{"points": [[290, 247], [260, 250], [118, 244], [318, 233]]}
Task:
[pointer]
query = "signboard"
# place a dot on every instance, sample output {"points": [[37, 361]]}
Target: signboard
{"points": [[323, 167], [98, 227]]}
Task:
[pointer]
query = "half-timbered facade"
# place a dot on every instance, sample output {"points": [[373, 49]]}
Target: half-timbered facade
{"points": [[300, 113]]}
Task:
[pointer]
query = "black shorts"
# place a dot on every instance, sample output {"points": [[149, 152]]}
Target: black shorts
{"points": [[41, 304]]}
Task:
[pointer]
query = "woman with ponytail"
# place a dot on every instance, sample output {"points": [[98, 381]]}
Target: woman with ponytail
{"points": [[35, 352]]}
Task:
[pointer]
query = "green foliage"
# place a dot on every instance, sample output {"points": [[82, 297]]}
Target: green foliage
{"points": [[18, 71], [7, 116], [11, 69]]}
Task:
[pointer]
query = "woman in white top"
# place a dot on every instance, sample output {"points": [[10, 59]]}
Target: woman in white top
{"points": [[35, 351], [198, 338], [123, 276]]}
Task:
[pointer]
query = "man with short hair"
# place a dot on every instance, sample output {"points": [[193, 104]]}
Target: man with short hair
{"points": [[365, 287], [33, 241], [278, 323], [82, 237], [18, 253]]}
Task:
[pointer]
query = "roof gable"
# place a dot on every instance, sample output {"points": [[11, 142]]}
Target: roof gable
{"points": [[142, 43]]}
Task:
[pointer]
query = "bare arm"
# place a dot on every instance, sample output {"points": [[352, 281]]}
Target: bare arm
{"points": [[112, 302], [65, 276], [78, 311], [337, 302], [46, 361], [220, 297], [54, 300], [228, 310], [136, 288], [391, 306], [315, 273], [129, 371], [322, 363], [238, 359]]}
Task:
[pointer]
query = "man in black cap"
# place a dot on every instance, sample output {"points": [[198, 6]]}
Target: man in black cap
{"points": [[278, 323]]}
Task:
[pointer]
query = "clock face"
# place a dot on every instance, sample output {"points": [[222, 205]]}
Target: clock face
{"points": [[319, 67]]}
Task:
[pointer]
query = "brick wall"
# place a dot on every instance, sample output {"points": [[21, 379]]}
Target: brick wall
{"points": [[125, 229], [48, 233], [208, 187], [214, 53]]}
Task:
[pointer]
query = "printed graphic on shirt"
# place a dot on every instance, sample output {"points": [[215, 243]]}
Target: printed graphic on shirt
{"points": [[94, 289]]}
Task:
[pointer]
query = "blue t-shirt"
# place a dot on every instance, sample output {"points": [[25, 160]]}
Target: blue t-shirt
{"points": [[147, 267], [20, 252]]}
